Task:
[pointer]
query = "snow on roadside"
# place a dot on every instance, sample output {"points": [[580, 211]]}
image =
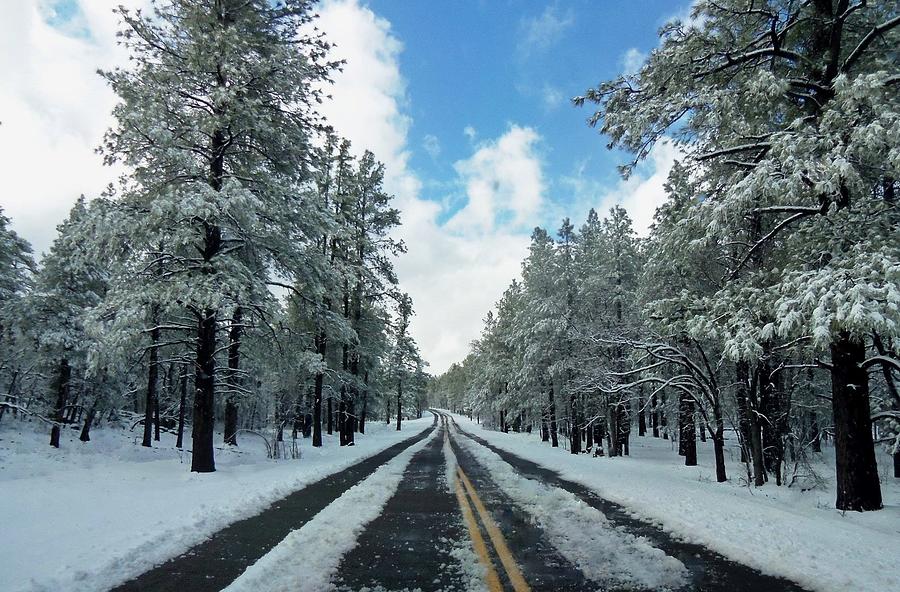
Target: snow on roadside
{"points": [[307, 558], [778, 531], [582, 534], [91, 516]]}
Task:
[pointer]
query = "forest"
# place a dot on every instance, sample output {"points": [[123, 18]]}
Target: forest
{"points": [[764, 306], [239, 273]]}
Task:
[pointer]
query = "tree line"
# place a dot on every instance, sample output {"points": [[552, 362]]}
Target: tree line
{"points": [[239, 272], [765, 302]]}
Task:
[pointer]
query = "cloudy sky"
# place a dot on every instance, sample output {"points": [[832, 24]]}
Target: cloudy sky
{"points": [[466, 103]]}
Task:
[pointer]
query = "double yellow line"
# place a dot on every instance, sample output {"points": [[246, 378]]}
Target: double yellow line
{"points": [[465, 491]]}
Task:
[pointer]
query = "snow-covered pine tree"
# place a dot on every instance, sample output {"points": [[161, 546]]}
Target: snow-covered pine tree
{"points": [[215, 122], [789, 111], [69, 284], [17, 269]]}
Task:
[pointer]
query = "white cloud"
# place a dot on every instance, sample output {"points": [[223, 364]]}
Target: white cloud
{"points": [[503, 180], [431, 145], [541, 32], [641, 194], [470, 133], [632, 61], [54, 109]]}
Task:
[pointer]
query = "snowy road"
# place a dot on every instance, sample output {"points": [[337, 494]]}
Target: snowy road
{"points": [[444, 510]]}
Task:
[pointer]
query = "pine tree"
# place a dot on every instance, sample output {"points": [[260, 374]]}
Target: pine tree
{"points": [[216, 121]]}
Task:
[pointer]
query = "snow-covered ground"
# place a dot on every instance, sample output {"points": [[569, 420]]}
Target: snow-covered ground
{"points": [[777, 530], [91, 515]]}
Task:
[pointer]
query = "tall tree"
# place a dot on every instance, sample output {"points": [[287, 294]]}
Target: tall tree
{"points": [[783, 109], [215, 120]]}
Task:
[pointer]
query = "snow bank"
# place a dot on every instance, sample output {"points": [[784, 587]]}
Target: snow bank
{"points": [[307, 558], [582, 534], [91, 516], [776, 530]]}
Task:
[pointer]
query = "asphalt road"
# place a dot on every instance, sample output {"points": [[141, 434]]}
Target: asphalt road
{"points": [[442, 530]]}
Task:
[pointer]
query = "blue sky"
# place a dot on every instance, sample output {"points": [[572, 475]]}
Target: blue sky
{"points": [[489, 64], [465, 101]]}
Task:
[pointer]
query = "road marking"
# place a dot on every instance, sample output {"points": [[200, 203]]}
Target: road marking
{"points": [[506, 558], [493, 581]]}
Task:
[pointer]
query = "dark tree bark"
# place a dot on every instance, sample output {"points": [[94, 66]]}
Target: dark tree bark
{"points": [[753, 438], [654, 415], [575, 431], [317, 411], [399, 402], [858, 488], [88, 422], [156, 417], [554, 440], [203, 454], [63, 377], [152, 376], [642, 416], [330, 411], [687, 434], [179, 441], [234, 382], [365, 404], [774, 423]]}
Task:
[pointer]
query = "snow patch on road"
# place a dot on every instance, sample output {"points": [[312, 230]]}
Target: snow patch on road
{"points": [[308, 558], [582, 534]]}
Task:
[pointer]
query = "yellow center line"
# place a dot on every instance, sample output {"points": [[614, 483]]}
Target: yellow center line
{"points": [[503, 552], [493, 581]]}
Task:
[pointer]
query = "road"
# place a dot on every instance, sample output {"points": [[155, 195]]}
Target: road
{"points": [[468, 516]]}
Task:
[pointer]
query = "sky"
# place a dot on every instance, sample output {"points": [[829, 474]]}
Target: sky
{"points": [[467, 103]]}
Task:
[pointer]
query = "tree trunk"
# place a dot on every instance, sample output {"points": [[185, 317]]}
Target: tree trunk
{"points": [[181, 408], [614, 443], [341, 419], [575, 432], [687, 434], [156, 417], [642, 417], [858, 488], [365, 404], [746, 389], [330, 411], [234, 382], [152, 376], [203, 454], [654, 415], [554, 440], [399, 402], [62, 393], [317, 411], [88, 422], [719, 440]]}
